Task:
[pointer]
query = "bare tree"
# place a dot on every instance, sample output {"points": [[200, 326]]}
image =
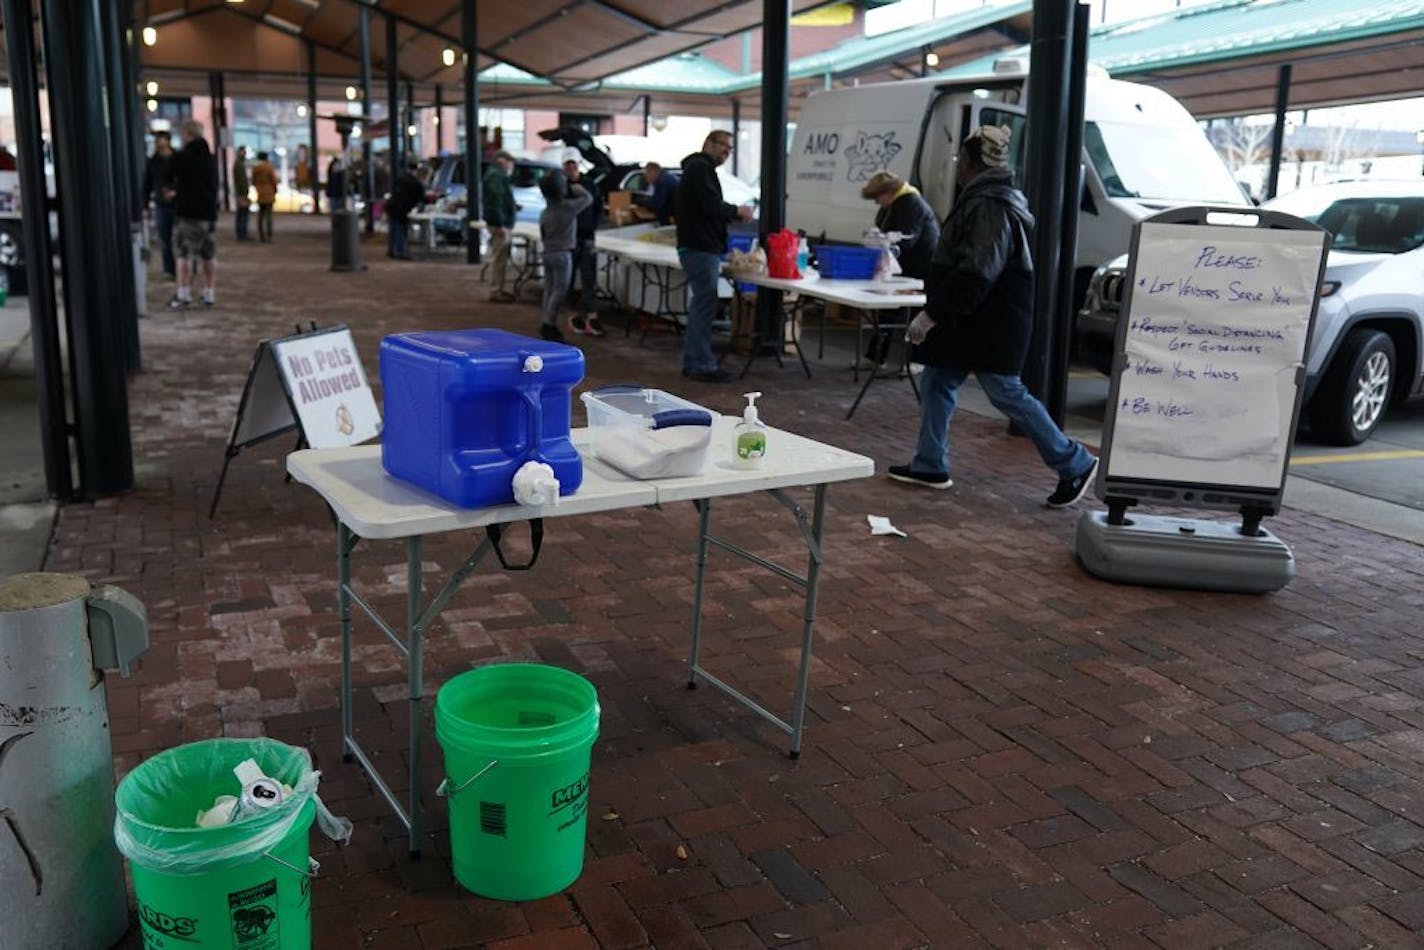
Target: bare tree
{"points": [[1344, 142], [1243, 143]]}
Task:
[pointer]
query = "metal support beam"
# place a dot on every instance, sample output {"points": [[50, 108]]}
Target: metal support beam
{"points": [[119, 99], [775, 96], [39, 264], [1278, 134], [407, 137], [1061, 342], [474, 190], [736, 131], [85, 175], [439, 120], [1047, 130], [219, 100], [313, 163], [368, 174], [394, 127], [647, 113]]}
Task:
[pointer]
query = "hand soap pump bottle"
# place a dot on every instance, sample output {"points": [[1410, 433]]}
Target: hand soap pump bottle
{"points": [[749, 438]]}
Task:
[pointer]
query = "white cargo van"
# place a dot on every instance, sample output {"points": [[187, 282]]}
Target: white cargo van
{"points": [[1142, 152]]}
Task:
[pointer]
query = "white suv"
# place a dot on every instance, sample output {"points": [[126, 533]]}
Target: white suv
{"points": [[1367, 349]]}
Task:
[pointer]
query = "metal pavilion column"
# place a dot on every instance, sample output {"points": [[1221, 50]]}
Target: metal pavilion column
{"points": [[393, 123], [775, 94], [736, 130], [368, 174], [74, 59], [312, 160], [439, 120], [18, 16], [1047, 130], [407, 139], [1061, 340], [120, 98], [474, 187], [1278, 134], [218, 94]]}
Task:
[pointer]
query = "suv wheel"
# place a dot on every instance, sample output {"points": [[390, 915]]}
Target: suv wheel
{"points": [[1353, 395]]}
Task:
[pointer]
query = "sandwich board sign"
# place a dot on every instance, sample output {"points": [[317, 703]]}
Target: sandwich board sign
{"points": [[311, 382], [1208, 376]]}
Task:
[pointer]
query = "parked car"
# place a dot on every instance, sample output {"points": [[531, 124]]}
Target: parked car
{"points": [[288, 200], [1367, 349], [447, 183]]}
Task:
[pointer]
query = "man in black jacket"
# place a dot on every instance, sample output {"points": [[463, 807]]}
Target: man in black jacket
{"points": [[702, 218], [155, 184], [193, 185], [407, 194], [978, 319]]}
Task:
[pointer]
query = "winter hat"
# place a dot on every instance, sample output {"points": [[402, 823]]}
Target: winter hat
{"points": [[993, 145], [881, 183]]}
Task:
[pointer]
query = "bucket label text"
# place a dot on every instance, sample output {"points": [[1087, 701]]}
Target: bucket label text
{"points": [[254, 917], [162, 930]]}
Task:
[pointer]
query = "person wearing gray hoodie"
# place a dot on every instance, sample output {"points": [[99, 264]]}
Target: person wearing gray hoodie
{"points": [[558, 235]]}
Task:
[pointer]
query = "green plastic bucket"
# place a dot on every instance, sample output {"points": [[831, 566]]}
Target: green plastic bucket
{"points": [[243, 886], [517, 740]]}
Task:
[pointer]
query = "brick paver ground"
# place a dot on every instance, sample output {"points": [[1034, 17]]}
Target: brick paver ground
{"points": [[1002, 750]]}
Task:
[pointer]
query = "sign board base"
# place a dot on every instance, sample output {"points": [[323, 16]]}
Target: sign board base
{"points": [[1191, 553]]}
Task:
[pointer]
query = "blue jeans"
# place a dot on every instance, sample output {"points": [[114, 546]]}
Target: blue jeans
{"points": [[397, 231], [240, 218], [701, 268], [163, 219], [938, 390]]}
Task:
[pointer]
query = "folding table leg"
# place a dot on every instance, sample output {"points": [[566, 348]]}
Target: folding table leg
{"points": [[414, 640], [704, 520], [343, 615], [808, 619]]}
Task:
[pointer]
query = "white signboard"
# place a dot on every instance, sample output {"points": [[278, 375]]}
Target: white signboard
{"points": [[327, 388], [1216, 334]]}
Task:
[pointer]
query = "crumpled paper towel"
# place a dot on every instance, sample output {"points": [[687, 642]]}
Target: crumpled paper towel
{"points": [[535, 484], [881, 525]]}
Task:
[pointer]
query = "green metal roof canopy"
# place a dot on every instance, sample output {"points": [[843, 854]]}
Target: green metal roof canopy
{"points": [[1224, 58]]}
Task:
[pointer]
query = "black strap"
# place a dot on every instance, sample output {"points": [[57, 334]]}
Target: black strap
{"points": [[536, 540]]}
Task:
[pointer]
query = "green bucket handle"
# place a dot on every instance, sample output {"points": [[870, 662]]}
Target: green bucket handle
{"points": [[311, 872], [445, 791]]}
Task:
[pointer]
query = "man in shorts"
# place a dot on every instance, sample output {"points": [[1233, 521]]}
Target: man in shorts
{"points": [[193, 183]]}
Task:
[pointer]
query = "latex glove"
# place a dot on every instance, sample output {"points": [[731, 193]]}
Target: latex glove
{"points": [[919, 328], [746, 212]]}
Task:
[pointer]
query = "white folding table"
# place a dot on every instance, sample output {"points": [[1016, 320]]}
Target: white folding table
{"points": [[368, 503], [874, 296]]}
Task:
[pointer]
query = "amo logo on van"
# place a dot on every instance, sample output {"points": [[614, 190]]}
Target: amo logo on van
{"points": [[179, 928], [870, 154]]}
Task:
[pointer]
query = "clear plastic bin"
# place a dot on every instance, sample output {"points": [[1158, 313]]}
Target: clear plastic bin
{"points": [[648, 433]]}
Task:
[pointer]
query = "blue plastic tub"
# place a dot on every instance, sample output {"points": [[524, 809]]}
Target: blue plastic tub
{"points": [[464, 409], [846, 262]]}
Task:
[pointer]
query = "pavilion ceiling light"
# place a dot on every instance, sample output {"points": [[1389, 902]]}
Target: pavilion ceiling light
{"points": [[351, 93], [447, 56], [277, 23], [410, 130], [931, 58], [150, 36], [152, 105], [302, 110], [152, 88]]}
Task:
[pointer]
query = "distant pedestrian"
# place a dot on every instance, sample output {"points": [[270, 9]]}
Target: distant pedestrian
{"points": [[585, 318], [407, 194], [193, 188], [499, 218], [155, 189], [558, 233], [264, 179], [336, 184], [661, 196], [978, 318], [702, 218], [242, 210]]}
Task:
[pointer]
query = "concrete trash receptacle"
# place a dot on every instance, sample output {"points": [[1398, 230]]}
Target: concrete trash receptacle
{"points": [[345, 240], [64, 879]]}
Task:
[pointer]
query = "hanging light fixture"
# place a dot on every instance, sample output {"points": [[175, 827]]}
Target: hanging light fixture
{"points": [[351, 93], [302, 110], [152, 88], [931, 59], [448, 56], [150, 36], [152, 105]]}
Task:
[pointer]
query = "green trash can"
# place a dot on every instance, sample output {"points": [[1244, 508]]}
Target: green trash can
{"points": [[517, 740], [239, 886]]}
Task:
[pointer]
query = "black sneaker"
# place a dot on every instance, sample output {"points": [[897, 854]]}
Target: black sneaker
{"points": [[903, 473], [178, 303], [1070, 490], [594, 327], [550, 332], [578, 325], [711, 376]]}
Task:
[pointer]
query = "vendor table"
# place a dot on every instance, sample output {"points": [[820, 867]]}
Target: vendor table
{"points": [[657, 265], [898, 295], [368, 503]]}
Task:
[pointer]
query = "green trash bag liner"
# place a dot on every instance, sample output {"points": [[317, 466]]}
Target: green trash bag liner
{"points": [[159, 801]]}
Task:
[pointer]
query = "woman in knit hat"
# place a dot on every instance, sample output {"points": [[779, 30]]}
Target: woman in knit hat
{"points": [[901, 209]]}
